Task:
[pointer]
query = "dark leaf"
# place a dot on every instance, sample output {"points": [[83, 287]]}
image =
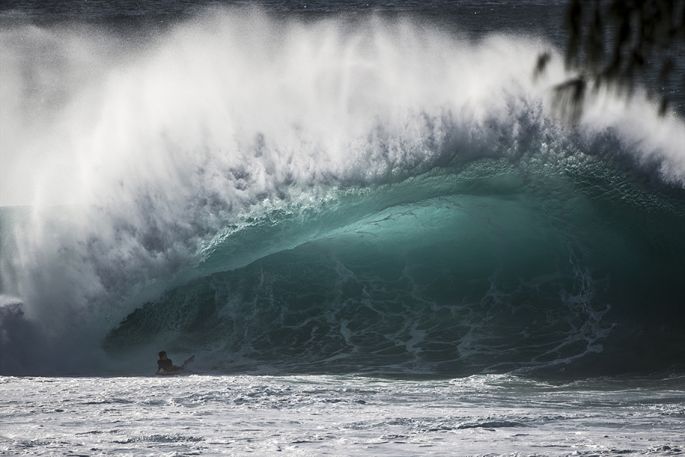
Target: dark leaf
{"points": [[541, 64], [667, 67], [663, 106]]}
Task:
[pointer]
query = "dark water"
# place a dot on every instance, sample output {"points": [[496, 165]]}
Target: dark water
{"points": [[490, 15]]}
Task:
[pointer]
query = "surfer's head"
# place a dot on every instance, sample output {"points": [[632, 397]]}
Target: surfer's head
{"points": [[162, 355]]}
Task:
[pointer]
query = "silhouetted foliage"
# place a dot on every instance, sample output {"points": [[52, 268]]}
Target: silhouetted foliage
{"points": [[622, 43]]}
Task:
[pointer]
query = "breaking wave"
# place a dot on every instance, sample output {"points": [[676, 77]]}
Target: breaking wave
{"points": [[366, 195]]}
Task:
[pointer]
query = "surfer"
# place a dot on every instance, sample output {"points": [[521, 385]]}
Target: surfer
{"points": [[165, 365]]}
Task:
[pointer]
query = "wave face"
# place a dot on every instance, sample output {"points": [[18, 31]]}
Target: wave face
{"points": [[496, 266], [366, 195]]}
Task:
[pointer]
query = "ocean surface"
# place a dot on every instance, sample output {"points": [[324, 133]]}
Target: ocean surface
{"points": [[340, 415], [369, 221]]}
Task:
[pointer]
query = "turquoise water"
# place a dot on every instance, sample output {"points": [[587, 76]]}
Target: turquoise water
{"points": [[489, 266]]}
